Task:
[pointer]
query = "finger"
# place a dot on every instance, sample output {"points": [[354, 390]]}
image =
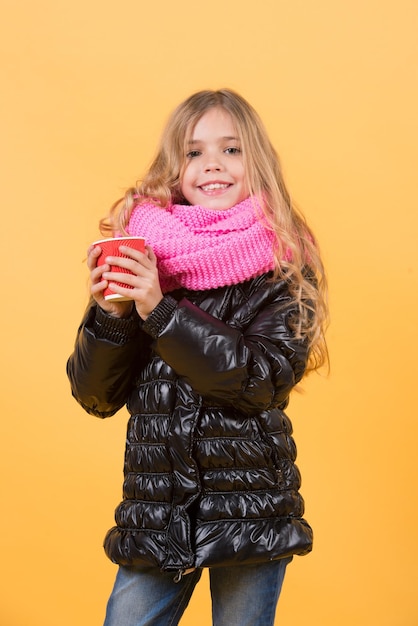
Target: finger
{"points": [[94, 250], [132, 253], [136, 265], [127, 292], [151, 254], [123, 263], [97, 289], [121, 277], [93, 254], [96, 274]]}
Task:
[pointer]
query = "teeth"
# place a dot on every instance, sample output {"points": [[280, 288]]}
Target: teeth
{"points": [[213, 186]]}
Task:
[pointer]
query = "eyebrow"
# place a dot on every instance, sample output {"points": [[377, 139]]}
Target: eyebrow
{"points": [[195, 141]]}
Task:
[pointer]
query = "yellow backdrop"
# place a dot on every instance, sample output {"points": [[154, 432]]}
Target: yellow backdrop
{"points": [[86, 88]]}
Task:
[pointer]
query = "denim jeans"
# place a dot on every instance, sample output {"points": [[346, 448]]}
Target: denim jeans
{"points": [[243, 595]]}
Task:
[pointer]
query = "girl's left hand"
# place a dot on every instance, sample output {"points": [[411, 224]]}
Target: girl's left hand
{"points": [[144, 280]]}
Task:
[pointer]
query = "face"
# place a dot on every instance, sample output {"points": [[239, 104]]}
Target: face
{"points": [[214, 175]]}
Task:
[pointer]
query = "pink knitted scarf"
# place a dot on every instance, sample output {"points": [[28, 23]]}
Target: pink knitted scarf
{"points": [[199, 248]]}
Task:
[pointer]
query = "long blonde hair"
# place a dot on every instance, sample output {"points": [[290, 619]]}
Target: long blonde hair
{"points": [[303, 270]]}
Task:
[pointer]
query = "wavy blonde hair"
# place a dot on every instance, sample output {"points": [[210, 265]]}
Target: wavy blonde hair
{"points": [[304, 270]]}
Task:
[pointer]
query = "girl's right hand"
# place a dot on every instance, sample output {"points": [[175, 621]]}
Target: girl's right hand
{"points": [[98, 284]]}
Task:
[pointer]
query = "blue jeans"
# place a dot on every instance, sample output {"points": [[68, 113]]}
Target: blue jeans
{"points": [[243, 595]]}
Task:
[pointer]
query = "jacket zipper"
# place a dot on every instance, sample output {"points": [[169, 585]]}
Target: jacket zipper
{"points": [[182, 572]]}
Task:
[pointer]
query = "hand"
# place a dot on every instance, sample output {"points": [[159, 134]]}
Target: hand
{"points": [[98, 284], [144, 281]]}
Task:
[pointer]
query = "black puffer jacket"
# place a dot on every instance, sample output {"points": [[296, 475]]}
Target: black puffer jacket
{"points": [[210, 477]]}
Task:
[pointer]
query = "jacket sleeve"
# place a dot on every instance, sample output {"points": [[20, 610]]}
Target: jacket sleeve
{"points": [[104, 361], [251, 366]]}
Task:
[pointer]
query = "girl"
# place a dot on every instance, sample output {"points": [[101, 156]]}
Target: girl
{"points": [[226, 316]]}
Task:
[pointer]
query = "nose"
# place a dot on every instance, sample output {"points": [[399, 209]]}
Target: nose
{"points": [[212, 164]]}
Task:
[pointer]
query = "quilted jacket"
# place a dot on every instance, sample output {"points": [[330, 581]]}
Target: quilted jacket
{"points": [[209, 474]]}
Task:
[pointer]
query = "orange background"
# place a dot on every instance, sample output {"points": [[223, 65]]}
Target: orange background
{"points": [[86, 89]]}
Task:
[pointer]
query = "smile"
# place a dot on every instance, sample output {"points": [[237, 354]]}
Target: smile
{"points": [[213, 186]]}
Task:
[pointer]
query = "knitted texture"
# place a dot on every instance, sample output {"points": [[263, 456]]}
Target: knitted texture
{"points": [[199, 248]]}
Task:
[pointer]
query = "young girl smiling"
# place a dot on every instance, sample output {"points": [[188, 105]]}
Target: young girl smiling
{"points": [[226, 315]]}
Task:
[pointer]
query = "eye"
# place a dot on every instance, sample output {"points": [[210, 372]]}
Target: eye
{"points": [[232, 150], [193, 154]]}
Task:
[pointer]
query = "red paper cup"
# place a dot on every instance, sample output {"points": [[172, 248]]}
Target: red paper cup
{"points": [[110, 247]]}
